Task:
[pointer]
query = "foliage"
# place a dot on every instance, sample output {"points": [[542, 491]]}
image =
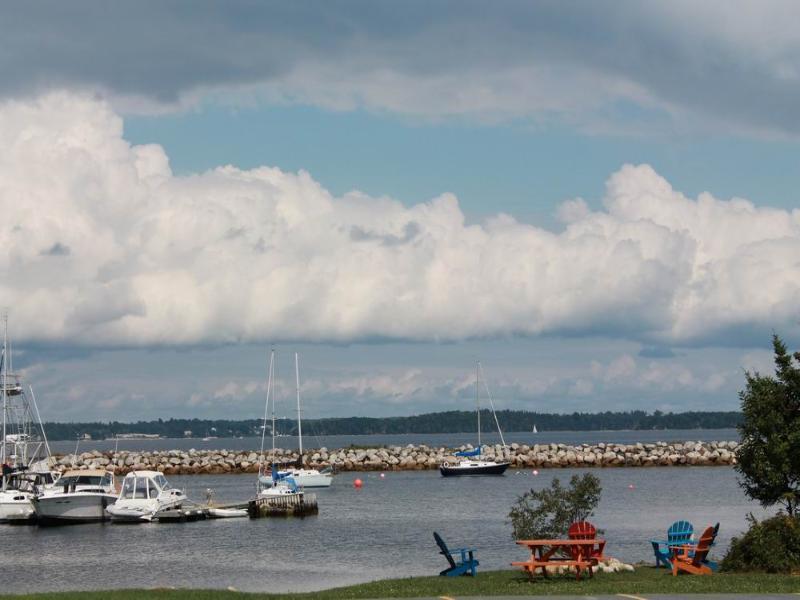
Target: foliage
{"points": [[441, 422], [548, 513], [772, 546], [769, 454]]}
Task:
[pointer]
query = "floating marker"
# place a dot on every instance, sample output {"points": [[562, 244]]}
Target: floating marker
{"points": [[535, 472], [383, 475], [631, 486], [357, 484]]}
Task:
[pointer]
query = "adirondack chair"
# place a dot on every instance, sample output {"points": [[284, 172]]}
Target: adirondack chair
{"points": [[583, 530], [679, 533], [691, 558], [468, 564], [712, 564]]}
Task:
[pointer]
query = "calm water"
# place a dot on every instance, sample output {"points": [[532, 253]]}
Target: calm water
{"points": [[382, 530], [434, 439]]}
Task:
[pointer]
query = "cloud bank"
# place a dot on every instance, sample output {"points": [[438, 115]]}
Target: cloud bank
{"points": [[602, 65], [106, 247]]}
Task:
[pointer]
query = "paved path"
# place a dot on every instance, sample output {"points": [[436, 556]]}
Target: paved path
{"points": [[630, 597]]}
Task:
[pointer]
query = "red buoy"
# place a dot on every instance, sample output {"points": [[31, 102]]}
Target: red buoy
{"points": [[357, 484]]}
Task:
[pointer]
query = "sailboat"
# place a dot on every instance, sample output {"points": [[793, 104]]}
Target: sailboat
{"points": [[272, 482], [534, 430], [24, 450], [470, 462], [308, 478]]}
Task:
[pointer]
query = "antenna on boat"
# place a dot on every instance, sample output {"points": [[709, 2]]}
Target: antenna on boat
{"points": [[299, 419], [477, 399], [39, 418], [4, 378]]}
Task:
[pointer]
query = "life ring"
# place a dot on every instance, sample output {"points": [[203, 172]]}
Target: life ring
{"points": [[446, 464]]}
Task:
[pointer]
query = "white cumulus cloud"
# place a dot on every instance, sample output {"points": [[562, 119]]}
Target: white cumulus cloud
{"points": [[105, 246]]}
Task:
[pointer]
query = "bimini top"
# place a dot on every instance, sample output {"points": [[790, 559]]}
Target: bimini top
{"points": [[144, 474], [475, 452], [86, 473]]}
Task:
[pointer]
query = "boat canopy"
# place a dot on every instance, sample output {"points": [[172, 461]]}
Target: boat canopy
{"points": [[475, 452]]}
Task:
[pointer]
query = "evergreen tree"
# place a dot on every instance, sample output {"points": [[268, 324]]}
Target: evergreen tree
{"points": [[769, 454]]}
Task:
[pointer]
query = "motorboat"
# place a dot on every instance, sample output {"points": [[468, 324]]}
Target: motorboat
{"points": [[144, 495], [20, 488], [80, 496], [469, 462]]}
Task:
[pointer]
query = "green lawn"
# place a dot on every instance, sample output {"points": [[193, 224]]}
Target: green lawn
{"points": [[645, 580]]}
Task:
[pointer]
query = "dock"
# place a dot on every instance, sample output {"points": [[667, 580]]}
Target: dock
{"points": [[294, 505]]}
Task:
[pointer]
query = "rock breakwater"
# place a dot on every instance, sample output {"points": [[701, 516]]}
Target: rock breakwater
{"points": [[411, 457]]}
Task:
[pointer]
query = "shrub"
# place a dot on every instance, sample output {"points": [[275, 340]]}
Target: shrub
{"points": [[772, 545], [548, 513]]}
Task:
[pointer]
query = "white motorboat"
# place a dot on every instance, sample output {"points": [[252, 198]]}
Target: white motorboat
{"points": [[20, 488], [81, 496], [469, 462], [143, 496], [304, 477]]}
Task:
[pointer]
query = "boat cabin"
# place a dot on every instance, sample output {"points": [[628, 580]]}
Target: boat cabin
{"points": [[142, 485]]}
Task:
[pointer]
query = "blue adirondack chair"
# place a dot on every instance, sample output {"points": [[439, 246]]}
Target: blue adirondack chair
{"points": [[468, 564], [679, 533]]}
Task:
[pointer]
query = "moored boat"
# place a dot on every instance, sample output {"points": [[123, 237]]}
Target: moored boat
{"points": [[469, 462], [81, 496], [143, 496]]}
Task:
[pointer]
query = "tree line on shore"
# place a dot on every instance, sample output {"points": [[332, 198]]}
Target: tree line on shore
{"points": [[438, 422]]}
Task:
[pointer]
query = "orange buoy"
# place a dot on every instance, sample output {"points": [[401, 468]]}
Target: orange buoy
{"points": [[357, 484]]}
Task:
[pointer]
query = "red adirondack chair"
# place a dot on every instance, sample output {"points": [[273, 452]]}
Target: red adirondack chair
{"points": [[691, 558], [583, 530]]}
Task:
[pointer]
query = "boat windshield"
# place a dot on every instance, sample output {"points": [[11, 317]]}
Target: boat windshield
{"points": [[162, 482], [84, 480], [139, 488]]}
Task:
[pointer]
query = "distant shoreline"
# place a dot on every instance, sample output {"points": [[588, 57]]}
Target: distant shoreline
{"points": [[439, 423]]}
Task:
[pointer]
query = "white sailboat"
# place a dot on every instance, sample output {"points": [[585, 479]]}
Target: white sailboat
{"points": [[469, 462], [272, 482], [534, 430], [307, 478], [24, 451]]}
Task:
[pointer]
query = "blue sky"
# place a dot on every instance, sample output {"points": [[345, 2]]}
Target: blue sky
{"points": [[596, 200]]}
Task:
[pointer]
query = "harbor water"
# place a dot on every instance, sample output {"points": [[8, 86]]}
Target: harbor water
{"points": [[385, 529]]}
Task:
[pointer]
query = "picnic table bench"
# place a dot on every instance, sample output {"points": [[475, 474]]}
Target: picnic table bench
{"points": [[544, 553]]}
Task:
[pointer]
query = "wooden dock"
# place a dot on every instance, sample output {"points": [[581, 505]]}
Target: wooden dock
{"points": [[294, 505]]}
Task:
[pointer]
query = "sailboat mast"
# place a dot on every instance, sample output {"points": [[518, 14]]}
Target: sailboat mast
{"points": [[477, 400], [299, 419], [4, 375], [266, 404]]}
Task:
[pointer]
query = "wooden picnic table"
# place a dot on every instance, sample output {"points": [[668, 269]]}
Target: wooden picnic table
{"points": [[543, 555]]}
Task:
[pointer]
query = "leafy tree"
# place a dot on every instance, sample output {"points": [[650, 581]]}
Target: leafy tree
{"points": [[769, 454], [548, 513]]}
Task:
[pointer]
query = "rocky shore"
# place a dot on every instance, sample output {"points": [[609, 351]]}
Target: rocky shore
{"points": [[410, 458]]}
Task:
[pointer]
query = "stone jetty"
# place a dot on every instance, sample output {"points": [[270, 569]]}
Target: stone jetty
{"points": [[412, 457]]}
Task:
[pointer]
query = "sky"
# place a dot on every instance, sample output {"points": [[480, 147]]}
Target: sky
{"points": [[596, 200]]}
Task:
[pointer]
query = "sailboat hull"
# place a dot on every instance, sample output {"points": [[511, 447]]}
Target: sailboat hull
{"points": [[473, 468]]}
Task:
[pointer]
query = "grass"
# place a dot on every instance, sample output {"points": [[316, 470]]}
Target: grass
{"points": [[645, 580]]}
